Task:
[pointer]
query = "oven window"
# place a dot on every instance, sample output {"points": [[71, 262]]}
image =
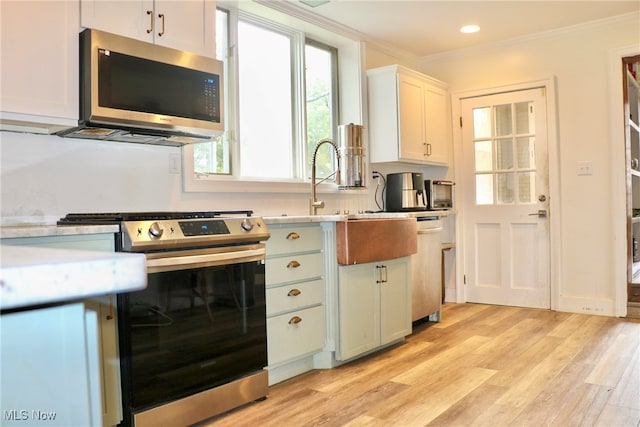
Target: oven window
{"points": [[191, 330]]}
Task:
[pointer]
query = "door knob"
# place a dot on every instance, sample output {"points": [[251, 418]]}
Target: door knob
{"points": [[542, 213]]}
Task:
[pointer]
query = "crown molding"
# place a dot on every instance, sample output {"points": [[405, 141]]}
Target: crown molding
{"points": [[632, 17], [290, 8]]}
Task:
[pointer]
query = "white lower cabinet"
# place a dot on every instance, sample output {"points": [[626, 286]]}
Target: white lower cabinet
{"points": [[50, 368], [374, 306], [295, 299], [104, 312]]}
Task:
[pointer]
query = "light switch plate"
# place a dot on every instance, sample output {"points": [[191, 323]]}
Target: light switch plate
{"points": [[585, 167]]}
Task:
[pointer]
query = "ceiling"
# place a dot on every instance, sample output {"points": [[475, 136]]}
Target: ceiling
{"points": [[427, 27]]}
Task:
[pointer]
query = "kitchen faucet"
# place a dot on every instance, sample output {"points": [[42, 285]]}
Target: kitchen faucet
{"points": [[315, 204]]}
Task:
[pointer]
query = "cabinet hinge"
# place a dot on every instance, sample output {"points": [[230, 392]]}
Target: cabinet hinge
{"points": [[460, 121], [464, 279]]}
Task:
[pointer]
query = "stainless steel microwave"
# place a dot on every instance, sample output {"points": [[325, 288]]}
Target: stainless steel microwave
{"points": [[439, 194], [133, 91]]}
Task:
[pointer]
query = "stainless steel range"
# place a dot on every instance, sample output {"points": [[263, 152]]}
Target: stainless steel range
{"points": [[193, 344]]}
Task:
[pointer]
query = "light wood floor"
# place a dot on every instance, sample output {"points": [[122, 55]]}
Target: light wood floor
{"points": [[482, 366]]}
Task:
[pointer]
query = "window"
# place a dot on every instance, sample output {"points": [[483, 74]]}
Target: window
{"points": [[321, 97], [281, 100], [215, 157], [504, 141]]}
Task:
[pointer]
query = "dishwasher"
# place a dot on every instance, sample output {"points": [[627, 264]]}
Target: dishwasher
{"points": [[426, 278]]}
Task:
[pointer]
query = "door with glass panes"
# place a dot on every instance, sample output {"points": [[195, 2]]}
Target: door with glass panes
{"points": [[505, 182]]}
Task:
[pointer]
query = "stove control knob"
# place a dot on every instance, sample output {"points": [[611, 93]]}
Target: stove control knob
{"points": [[155, 232], [246, 225]]}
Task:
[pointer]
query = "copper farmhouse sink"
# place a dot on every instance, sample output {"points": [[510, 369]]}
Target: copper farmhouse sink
{"points": [[365, 240]]}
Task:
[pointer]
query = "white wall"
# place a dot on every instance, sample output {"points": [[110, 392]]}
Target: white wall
{"points": [[579, 60], [45, 177]]}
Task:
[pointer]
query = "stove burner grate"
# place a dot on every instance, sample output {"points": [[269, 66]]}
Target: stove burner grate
{"points": [[107, 218]]}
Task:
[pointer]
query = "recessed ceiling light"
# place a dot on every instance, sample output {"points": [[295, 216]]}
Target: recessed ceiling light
{"points": [[468, 29]]}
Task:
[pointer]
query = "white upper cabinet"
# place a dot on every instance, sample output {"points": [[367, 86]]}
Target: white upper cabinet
{"points": [[187, 25], [39, 55], [409, 118]]}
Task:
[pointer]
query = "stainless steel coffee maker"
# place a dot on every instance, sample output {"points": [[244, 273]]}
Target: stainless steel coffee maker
{"points": [[405, 192]]}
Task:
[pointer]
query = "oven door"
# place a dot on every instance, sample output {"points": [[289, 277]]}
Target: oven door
{"points": [[200, 323]]}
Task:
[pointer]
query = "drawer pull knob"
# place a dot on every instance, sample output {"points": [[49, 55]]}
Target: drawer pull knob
{"points": [[293, 236], [293, 264], [294, 292], [295, 320]]}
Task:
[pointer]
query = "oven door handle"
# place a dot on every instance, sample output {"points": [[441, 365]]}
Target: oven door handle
{"points": [[172, 261]]}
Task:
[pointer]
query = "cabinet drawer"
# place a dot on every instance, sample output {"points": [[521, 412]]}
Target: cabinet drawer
{"points": [[287, 339], [294, 239], [293, 268], [295, 296]]}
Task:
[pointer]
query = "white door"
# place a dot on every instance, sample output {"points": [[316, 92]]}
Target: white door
{"points": [[506, 200]]}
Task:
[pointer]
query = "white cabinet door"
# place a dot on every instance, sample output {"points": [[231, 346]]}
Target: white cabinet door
{"points": [[187, 25], [133, 19], [50, 372], [411, 115], [184, 25], [437, 124], [39, 55], [359, 311], [375, 305], [408, 117], [395, 315]]}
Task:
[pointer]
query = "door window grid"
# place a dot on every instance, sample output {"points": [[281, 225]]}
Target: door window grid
{"points": [[504, 154]]}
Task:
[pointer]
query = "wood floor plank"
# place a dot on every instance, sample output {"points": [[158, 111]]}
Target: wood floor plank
{"points": [[442, 362], [610, 368], [527, 388], [419, 407], [627, 392], [583, 407], [482, 366], [468, 409], [613, 415]]}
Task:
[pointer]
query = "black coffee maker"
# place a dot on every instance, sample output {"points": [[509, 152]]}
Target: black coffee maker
{"points": [[405, 192]]}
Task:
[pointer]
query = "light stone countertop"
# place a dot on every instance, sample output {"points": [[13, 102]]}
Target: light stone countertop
{"points": [[34, 275], [291, 219], [19, 231]]}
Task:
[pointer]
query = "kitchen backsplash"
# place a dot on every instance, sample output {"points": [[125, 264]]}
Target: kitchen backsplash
{"points": [[44, 177]]}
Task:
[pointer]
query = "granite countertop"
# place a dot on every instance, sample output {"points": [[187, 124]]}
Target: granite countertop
{"points": [[33, 275]]}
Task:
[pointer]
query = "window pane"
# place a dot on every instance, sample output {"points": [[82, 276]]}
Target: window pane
{"points": [[484, 189], [483, 156], [265, 102], [503, 119], [319, 104], [504, 184], [525, 122], [526, 187], [482, 122], [504, 154], [214, 157], [526, 152]]}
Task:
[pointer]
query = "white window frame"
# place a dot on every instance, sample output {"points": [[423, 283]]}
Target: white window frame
{"points": [[193, 182]]}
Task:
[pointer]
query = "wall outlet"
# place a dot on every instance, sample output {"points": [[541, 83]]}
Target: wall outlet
{"points": [[585, 167], [175, 161]]}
